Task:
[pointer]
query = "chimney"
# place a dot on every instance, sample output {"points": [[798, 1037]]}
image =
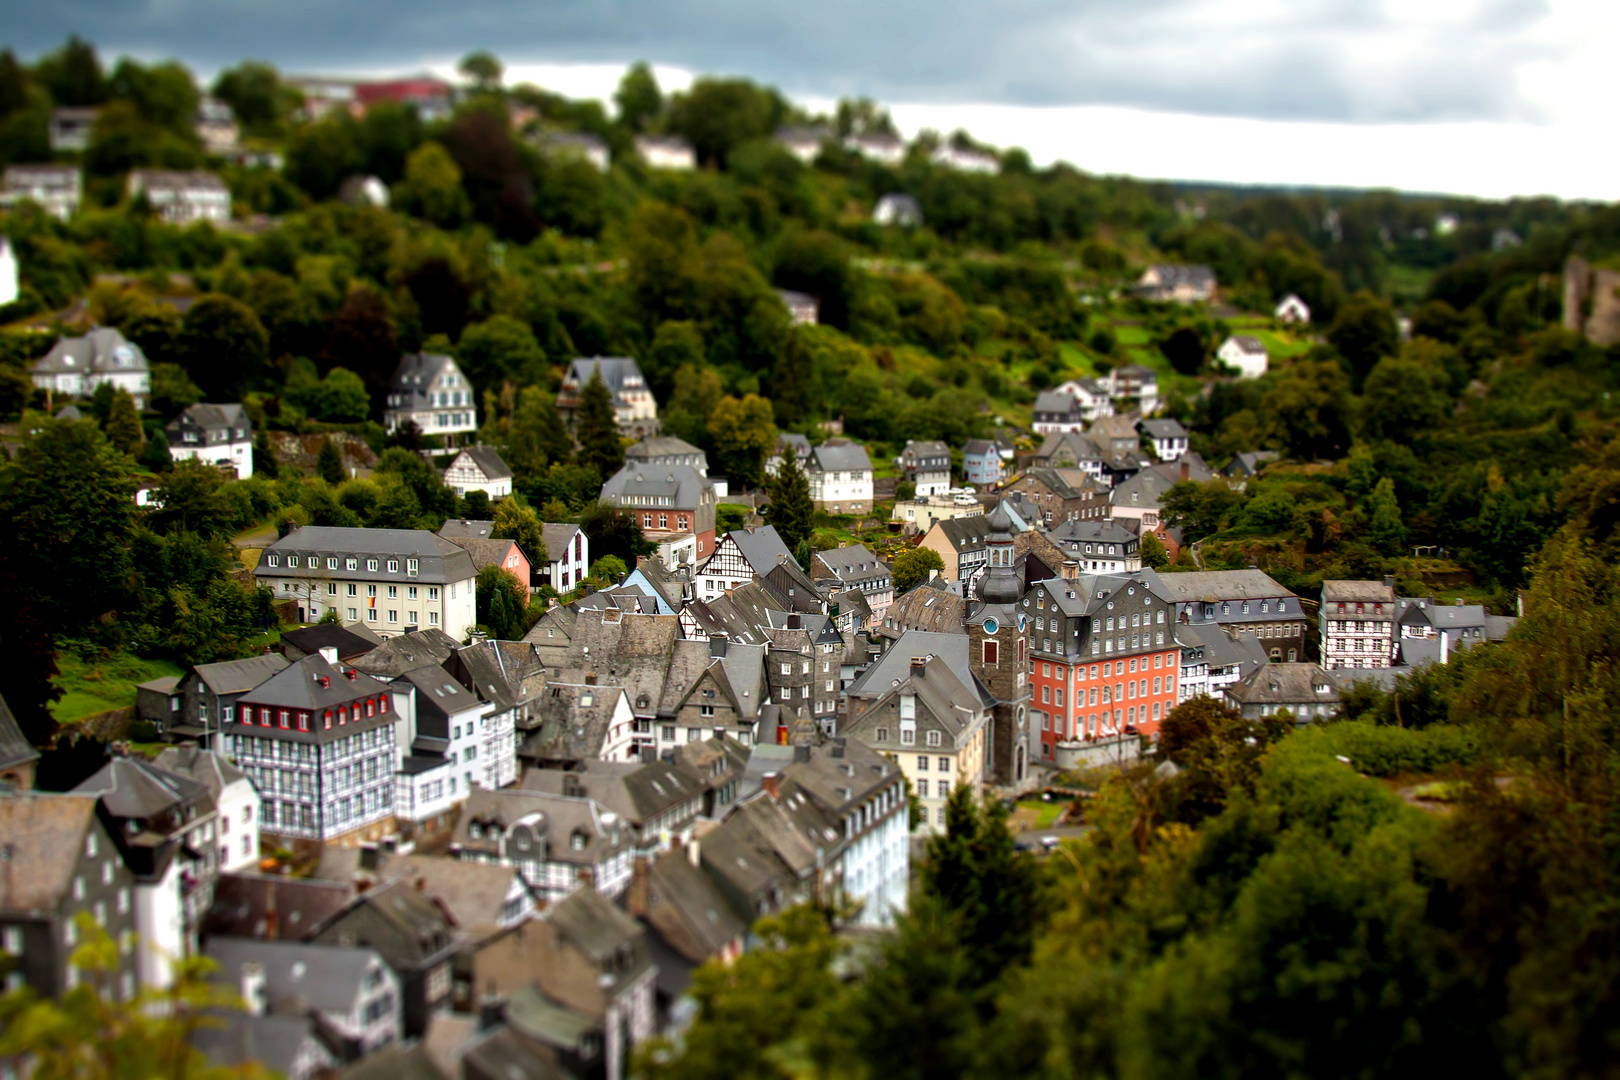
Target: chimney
{"points": [[1458, 601], [1389, 581], [354, 676], [1186, 472], [795, 621], [918, 663], [772, 783], [491, 1011], [694, 852], [718, 644], [329, 653], [252, 988], [781, 558], [801, 753]]}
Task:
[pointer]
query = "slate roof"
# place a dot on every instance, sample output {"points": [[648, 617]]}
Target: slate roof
{"points": [[237, 676], [423, 930], [488, 460], [1055, 401], [133, 788], [658, 446], [636, 791], [438, 698], [894, 665], [473, 892], [1286, 684], [1250, 462], [1092, 531], [968, 533], [1213, 585], [396, 1062], [213, 771], [593, 924], [438, 560], [1223, 650], [682, 485], [839, 773], [930, 606], [1366, 592], [14, 748], [325, 977], [531, 1013], [569, 729], [270, 906], [351, 642], [1142, 490], [1249, 344], [100, 350], [504, 672], [486, 552], [298, 687], [559, 816], [467, 529], [682, 898], [839, 456], [407, 652], [230, 417], [762, 547], [615, 370], [558, 537], [854, 562], [41, 870], [978, 448], [416, 375], [1163, 429], [234, 1038]]}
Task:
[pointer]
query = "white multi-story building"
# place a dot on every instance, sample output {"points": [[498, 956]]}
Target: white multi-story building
{"points": [[568, 555], [215, 435], [319, 741], [665, 151], [392, 580], [75, 367], [1244, 354], [182, 198], [455, 741], [634, 407], [57, 188], [1358, 624], [236, 803], [840, 475], [430, 391]]}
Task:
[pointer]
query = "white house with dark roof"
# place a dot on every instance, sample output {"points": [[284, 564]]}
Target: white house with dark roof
{"points": [[182, 198], [75, 367], [880, 146], [854, 566], [236, 803], [804, 141], [666, 152], [578, 145], [392, 580], [966, 159], [1291, 309], [568, 551], [430, 391], [739, 557], [927, 464], [1245, 354], [669, 450], [840, 475], [1168, 437], [900, 210], [1183, 284], [215, 435], [479, 468], [633, 404], [57, 188], [803, 309]]}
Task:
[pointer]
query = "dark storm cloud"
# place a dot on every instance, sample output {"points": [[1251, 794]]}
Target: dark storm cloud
{"points": [[1357, 60]]}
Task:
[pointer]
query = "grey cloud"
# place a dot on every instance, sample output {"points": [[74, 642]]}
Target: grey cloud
{"points": [[1347, 60]]}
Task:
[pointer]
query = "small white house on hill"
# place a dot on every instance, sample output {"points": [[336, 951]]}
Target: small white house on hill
{"points": [[1291, 309], [479, 468], [1245, 355], [8, 272]]}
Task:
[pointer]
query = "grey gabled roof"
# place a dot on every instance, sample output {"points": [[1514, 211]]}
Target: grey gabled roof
{"points": [[841, 456], [588, 920], [438, 560], [570, 729], [350, 641], [407, 652], [40, 871], [684, 896], [1055, 401], [853, 562], [1209, 585], [14, 749], [298, 687], [968, 533], [615, 371], [895, 664], [488, 460], [1163, 429], [467, 529], [761, 547], [274, 1042], [223, 417], [558, 536], [1286, 684], [100, 350], [416, 375], [1091, 531], [213, 771], [682, 485], [657, 446], [133, 788], [330, 978]]}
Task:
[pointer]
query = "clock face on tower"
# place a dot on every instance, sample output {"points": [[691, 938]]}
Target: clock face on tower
{"points": [[990, 626], [1023, 621]]}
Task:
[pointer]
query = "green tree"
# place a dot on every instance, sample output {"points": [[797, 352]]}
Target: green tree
{"points": [[718, 115], [791, 511], [514, 521], [911, 567], [432, 188], [1218, 750], [190, 502], [1404, 398], [483, 70], [264, 458], [596, 428], [913, 1016], [697, 392], [1386, 530], [609, 569], [164, 94], [1154, 555], [498, 349], [1364, 332], [743, 434], [222, 346], [340, 398], [124, 424], [612, 531], [321, 155], [93, 1033], [73, 74], [155, 456], [502, 601], [638, 97], [675, 345], [1310, 409], [524, 426], [329, 463], [253, 91]]}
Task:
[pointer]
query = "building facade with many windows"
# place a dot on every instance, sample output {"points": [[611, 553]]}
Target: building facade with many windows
{"points": [[1358, 624], [321, 743], [430, 391], [392, 580]]}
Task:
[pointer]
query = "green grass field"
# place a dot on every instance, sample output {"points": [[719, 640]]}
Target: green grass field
{"points": [[1045, 812], [105, 683], [1131, 335], [1280, 345]]}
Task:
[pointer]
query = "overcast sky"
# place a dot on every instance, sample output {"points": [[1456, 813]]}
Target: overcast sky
{"points": [[1492, 97]]}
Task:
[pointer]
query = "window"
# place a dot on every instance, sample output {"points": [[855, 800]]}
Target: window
{"points": [[371, 565], [393, 592], [908, 736], [371, 614], [351, 564], [433, 618], [393, 615], [933, 738], [353, 590], [353, 612], [433, 592], [273, 560], [922, 764], [881, 735], [393, 566]]}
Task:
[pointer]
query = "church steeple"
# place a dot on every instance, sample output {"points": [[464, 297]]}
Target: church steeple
{"points": [[1000, 584]]}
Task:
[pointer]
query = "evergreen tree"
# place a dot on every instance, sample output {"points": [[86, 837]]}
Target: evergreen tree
{"points": [[1385, 530], [1153, 552], [329, 463], [124, 423], [264, 459], [597, 429], [155, 455], [791, 512]]}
